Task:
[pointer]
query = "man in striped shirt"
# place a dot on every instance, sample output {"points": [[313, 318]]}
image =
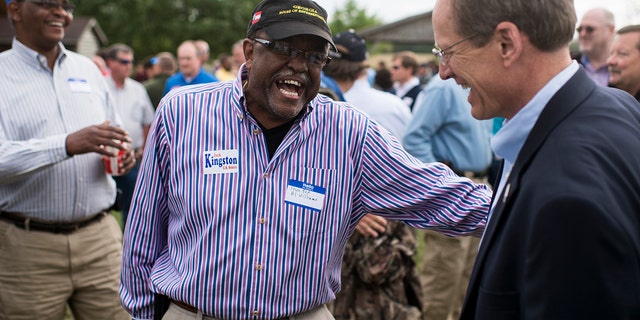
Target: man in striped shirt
{"points": [[249, 189]]}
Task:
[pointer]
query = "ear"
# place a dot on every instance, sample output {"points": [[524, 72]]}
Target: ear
{"points": [[510, 39], [13, 8], [247, 47]]}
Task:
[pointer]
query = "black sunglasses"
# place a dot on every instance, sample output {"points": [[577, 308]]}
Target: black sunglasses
{"points": [[586, 29]]}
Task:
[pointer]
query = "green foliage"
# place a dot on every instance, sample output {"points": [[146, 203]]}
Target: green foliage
{"points": [[151, 26], [352, 17]]}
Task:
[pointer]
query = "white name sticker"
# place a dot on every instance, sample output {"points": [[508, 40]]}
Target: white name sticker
{"points": [[305, 195], [220, 161], [79, 85]]}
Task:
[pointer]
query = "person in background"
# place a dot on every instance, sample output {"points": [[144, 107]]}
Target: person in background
{"points": [[225, 65], [135, 109], [379, 277], [190, 68], [149, 70], [406, 84], [204, 54], [443, 130], [382, 81], [102, 65], [164, 66], [249, 190], [238, 55], [624, 61], [595, 36], [562, 240], [59, 244]]}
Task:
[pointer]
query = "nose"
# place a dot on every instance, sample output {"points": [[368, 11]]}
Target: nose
{"points": [[298, 63], [611, 60], [445, 72]]}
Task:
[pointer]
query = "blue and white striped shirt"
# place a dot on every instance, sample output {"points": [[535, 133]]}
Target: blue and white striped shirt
{"points": [[217, 224], [38, 109]]}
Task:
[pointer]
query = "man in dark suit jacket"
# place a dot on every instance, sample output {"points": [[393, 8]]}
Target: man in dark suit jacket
{"points": [[563, 238]]}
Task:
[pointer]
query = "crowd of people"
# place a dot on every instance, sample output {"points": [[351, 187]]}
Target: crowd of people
{"points": [[287, 179]]}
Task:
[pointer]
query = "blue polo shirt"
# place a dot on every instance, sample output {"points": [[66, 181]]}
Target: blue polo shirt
{"points": [[178, 80]]}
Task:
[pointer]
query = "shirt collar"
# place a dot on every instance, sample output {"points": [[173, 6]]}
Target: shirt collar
{"points": [[35, 59], [511, 137]]}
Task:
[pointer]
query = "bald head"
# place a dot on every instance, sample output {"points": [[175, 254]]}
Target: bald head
{"points": [[596, 31]]}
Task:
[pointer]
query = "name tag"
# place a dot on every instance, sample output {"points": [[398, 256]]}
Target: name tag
{"points": [[220, 161], [305, 195], [79, 85]]}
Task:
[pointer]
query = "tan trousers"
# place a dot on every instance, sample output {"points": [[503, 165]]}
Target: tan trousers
{"points": [[177, 313], [40, 273], [446, 268]]}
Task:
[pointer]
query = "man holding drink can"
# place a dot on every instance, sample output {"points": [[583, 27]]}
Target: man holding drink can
{"points": [[59, 243]]}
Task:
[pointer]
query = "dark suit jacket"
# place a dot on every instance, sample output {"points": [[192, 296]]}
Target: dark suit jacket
{"points": [[563, 241]]}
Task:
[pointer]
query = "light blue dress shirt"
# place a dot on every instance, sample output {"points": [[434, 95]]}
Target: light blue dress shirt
{"points": [[442, 128], [39, 108]]}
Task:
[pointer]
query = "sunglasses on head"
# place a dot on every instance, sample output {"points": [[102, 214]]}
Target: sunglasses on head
{"points": [[586, 29]]}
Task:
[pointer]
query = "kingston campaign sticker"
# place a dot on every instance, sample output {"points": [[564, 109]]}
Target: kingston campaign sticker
{"points": [[305, 195], [220, 161]]}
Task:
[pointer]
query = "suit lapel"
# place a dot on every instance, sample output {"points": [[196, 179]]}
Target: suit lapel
{"points": [[567, 99]]}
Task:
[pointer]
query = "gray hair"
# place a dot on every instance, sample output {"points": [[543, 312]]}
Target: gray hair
{"points": [[114, 49]]}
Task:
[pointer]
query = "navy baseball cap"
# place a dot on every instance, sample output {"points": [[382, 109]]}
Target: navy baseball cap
{"points": [[350, 47], [286, 18]]}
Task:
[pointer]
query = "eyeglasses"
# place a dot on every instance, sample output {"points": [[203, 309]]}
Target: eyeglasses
{"points": [[444, 55], [53, 5], [315, 58], [125, 61], [586, 29]]}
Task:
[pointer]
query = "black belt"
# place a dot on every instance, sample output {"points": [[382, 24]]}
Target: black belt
{"points": [[35, 225]]}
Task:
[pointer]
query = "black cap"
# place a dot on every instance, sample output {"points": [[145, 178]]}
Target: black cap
{"points": [[350, 46], [286, 18]]}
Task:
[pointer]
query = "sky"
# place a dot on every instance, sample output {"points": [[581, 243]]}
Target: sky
{"points": [[625, 11]]}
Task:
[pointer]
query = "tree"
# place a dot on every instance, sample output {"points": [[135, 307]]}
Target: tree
{"points": [[151, 26], [352, 17]]}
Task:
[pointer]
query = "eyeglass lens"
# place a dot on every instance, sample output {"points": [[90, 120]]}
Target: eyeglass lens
{"points": [[284, 49], [53, 4]]}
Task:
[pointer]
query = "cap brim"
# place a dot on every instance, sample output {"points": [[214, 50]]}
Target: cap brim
{"points": [[287, 29]]}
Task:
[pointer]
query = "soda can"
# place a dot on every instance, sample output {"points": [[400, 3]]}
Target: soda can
{"points": [[112, 164]]}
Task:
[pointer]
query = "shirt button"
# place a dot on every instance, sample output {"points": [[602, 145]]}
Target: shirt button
{"points": [[240, 116], [266, 175], [263, 220], [256, 313], [256, 132], [259, 267]]}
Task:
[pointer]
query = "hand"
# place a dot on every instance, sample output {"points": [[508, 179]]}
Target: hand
{"points": [[128, 160], [93, 138], [371, 225]]}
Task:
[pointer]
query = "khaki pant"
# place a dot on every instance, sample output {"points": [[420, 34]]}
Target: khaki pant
{"points": [[446, 268], [41, 272], [177, 313]]}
